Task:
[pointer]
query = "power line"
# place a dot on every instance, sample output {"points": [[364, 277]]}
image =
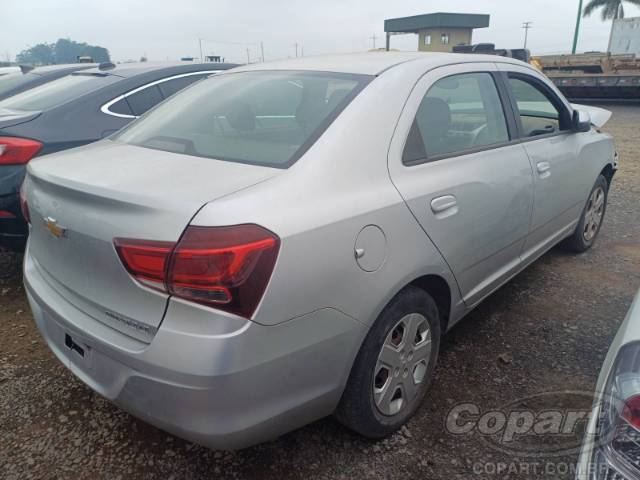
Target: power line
{"points": [[373, 38], [259, 46], [526, 26]]}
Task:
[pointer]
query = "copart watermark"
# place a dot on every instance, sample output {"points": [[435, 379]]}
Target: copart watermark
{"points": [[545, 425]]}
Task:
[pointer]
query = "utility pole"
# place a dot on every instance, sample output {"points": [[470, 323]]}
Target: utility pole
{"points": [[201, 57], [373, 38], [526, 26], [296, 45], [262, 50], [575, 34]]}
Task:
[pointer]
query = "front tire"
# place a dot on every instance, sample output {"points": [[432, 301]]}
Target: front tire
{"points": [[394, 366], [588, 228]]}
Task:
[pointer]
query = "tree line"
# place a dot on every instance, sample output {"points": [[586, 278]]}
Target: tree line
{"points": [[62, 51]]}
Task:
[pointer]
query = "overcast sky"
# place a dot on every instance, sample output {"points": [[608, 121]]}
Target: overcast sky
{"points": [[164, 29]]}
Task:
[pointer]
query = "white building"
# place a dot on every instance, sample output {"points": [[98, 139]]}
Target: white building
{"points": [[625, 36]]}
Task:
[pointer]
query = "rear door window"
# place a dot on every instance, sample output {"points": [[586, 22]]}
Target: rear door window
{"points": [[458, 113], [143, 100], [539, 113], [57, 92], [264, 118]]}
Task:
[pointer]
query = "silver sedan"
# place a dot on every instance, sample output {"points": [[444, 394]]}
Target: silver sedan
{"points": [[290, 240]]}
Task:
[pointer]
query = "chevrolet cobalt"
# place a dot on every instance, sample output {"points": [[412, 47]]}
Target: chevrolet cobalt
{"points": [[289, 240]]}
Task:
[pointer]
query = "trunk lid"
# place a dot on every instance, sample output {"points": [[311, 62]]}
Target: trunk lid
{"points": [[81, 200]]}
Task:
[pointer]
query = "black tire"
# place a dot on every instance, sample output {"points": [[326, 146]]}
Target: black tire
{"points": [[357, 409], [579, 241]]}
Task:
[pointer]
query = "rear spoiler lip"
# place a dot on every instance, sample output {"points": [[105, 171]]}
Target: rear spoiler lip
{"points": [[599, 116]]}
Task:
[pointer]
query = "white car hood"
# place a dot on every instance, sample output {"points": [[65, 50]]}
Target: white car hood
{"points": [[599, 116]]}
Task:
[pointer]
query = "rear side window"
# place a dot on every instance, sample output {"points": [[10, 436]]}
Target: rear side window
{"points": [[122, 107], [263, 118], [143, 100], [539, 115], [458, 113], [170, 87], [57, 92]]}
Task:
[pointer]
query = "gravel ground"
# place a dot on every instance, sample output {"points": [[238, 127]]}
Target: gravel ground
{"points": [[547, 330]]}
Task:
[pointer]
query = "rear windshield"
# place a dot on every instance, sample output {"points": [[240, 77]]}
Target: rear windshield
{"points": [[13, 80], [57, 92], [264, 118]]}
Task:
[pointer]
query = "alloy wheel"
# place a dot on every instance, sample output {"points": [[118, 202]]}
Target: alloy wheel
{"points": [[593, 214]]}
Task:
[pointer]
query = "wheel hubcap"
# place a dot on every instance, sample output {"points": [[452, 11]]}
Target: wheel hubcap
{"points": [[402, 364], [593, 214]]}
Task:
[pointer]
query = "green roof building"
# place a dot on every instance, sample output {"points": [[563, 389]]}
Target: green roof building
{"points": [[437, 32]]}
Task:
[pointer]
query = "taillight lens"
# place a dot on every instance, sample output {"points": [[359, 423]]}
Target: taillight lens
{"points": [[24, 207], [225, 267], [144, 259], [631, 411], [616, 447], [17, 151]]}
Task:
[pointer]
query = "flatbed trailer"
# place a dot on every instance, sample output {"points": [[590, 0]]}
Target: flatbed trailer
{"points": [[594, 76]]}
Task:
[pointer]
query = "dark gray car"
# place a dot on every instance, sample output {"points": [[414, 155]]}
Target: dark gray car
{"points": [[75, 110]]}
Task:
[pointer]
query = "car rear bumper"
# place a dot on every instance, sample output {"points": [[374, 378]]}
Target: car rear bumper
{"points": [[225, 391]]}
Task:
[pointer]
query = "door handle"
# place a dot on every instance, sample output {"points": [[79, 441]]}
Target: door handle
{"points": [[543, 169], [444, 206]]}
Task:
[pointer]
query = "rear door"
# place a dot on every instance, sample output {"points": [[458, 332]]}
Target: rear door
{"points": [[544, 123], [456, 161]]}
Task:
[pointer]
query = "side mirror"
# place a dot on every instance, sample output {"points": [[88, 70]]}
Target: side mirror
{"points": [[581, 121]]}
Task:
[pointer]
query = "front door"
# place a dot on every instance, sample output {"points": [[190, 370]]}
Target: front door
{"points": [[544, 122], [456, 161]]}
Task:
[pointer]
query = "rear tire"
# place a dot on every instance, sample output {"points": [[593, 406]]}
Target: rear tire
{"points": [[394, 366], [591, 220]]}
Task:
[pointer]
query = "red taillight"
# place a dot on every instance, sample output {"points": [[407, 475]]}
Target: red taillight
{"points": [[5, 214], [225, 267], [631, 411], [17, 151], [24, 207], [144, 259]]}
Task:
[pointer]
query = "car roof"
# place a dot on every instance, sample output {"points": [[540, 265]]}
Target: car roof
{"points": [[137, 68], [371, 63]]}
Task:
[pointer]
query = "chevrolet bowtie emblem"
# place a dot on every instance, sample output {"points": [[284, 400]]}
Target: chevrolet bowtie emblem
{"points": [[56, 230]]}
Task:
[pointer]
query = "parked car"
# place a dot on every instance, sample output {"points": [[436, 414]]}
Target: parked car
{"points": [[8, 70], [27, 77], [75, 110], [291, 239], [612, 438]]}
